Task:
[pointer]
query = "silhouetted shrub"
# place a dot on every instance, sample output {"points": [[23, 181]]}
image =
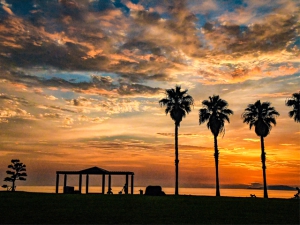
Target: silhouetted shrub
{"points": [[17, 173], [154, 191]]}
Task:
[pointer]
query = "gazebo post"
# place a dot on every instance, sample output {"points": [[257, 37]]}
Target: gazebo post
{"points": [[132, 176], [87, 184], [109, 183], [57, 183], [65, 182], [126, 184], [80, 182], [103, 183]]}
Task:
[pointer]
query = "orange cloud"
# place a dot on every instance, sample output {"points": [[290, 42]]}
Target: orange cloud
{"points": [[97, 91], [8, 10], [288, 70], [133, 6]]}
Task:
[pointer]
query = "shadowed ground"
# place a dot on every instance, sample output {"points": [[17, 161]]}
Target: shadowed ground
{"points": [[37, 208]]}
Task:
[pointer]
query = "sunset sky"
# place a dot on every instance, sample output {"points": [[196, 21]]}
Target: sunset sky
{"points": [[80, 83]]}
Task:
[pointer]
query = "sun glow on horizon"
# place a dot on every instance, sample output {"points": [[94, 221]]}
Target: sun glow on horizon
{"points": [[82, 89]]}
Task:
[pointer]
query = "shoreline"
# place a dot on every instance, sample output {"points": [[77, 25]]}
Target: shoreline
{"points": [[225, 192], [210, 196]]}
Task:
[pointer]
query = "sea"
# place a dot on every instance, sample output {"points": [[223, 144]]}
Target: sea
{"points": [[287, 194]]}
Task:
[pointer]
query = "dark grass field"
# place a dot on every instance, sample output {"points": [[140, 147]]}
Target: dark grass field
{"points": [[44, 208]]}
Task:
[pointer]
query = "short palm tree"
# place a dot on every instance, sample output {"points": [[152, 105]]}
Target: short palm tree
{"points": [[178, 103], [261, 116], [295, 103], [215, 112]]}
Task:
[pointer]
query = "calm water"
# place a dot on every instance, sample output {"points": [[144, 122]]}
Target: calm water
{"points": [[182, 191]]}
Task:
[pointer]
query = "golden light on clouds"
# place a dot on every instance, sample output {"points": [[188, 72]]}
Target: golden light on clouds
{"points": [[80, 83]]}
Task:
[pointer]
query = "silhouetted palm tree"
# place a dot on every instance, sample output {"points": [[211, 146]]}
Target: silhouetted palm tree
{"points": [[295, 103], [215, 112], [261, 116], [178, 103]]}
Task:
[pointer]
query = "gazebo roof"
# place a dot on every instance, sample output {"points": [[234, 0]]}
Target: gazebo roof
{"points": [[95, 170]]}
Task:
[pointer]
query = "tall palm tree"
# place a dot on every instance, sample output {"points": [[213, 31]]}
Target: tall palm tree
{"points": [[178, 103], [215, 112], [295, 103], [261, 116]]}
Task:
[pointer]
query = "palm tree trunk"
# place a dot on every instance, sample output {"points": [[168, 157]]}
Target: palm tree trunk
{"points": [[263, 160], [176, 159], [217, 165], [13, 186]]}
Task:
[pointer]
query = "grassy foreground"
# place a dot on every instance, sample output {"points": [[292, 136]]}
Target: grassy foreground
{"points": [[39, 208]]}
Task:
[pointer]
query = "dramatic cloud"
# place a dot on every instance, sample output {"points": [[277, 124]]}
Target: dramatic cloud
{"points": [[81, 79]]}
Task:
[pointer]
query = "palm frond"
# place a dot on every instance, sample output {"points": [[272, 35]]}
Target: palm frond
{"points": [[204, 115], [164, 101], [224, 117], [261, 116], [295, 103], [290, 102], [215, 111], [291, 113], [178, 103], [271, 120]]}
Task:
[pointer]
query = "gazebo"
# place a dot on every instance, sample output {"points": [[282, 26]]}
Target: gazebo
{"points": [[95, 171]]}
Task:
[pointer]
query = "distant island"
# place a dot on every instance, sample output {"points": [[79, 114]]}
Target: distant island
{"points": [[276, 187], [281, 187], [258, 186], [255, 188]]}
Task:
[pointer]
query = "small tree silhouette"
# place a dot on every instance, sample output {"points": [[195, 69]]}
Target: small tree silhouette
{"points": [[17, 173]]}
